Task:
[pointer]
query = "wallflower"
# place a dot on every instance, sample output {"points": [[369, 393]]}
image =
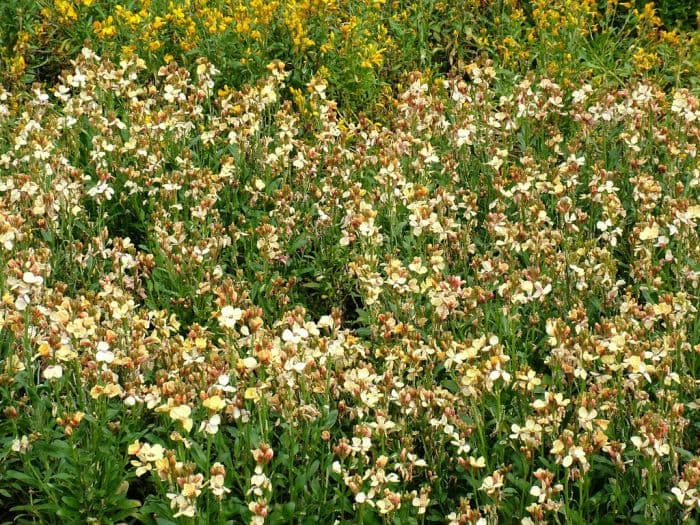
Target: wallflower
{"points": [[214, 403], [110, 390], [216, 481], [30, 278], [251, 393], [493, 484], [567, 456], [147, 455], [651, 448], [211, 425], [259, 483], [229, 316], [586, 417], [181, 413], [649, 232], [21, 445], [684, 494], [183, 505], [53, 372], [104, 354]]}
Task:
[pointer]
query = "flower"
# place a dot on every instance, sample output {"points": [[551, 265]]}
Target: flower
{"points": [[217, 479], [214, 403], [229, 316], [21, 445], [147, 455], [53, 372], [104, 354], [181, 413], [251, 393], [211, 425]]}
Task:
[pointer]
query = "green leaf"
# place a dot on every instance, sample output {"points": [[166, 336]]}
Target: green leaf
{"points": [[330, 419], [71, 502], [60, 449], [313, 468], [199, 456], [302, 240], [163, 521], [126, 509], [20, 476], [450, 385], [299, 482]]}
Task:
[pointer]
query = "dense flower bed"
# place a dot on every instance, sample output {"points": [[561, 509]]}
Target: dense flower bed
{"points": [[285, 295]]}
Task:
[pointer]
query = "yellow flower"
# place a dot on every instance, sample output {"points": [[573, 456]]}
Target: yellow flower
{"points": [[251, 393], [44, 350], [65, 9], [17, 66], [649, 233], [110, 390], [158, 22], [644, 60], [214, 403], [104, 29]]}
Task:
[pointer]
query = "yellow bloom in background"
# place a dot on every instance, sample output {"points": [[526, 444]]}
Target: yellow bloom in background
{"points": [[17, 66], [644, 60], [154, 45], [158, 23], [104, 29], [66, 10]]}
